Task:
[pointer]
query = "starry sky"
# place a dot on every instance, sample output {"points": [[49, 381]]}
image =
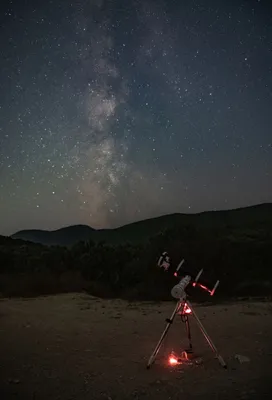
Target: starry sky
{"points": [[117, 111]]}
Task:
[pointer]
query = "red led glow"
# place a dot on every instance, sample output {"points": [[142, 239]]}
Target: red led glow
{"points": [[187, 309], [204, 287], [173, 360]]}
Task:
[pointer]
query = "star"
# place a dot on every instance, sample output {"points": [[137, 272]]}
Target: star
{"points": [[108, 120]]}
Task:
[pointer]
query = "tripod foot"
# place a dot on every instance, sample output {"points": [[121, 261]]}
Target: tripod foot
{"points": [[222, 362], [189, 351]]}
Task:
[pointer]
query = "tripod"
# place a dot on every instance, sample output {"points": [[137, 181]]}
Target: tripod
{"points": [[184, 307]]}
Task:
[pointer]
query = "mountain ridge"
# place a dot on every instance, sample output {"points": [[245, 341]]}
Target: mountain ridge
{"points": [[139, 230]]}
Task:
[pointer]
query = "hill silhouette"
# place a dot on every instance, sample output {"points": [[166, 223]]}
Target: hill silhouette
{"points": [[140, 231], [63, 237], [233, 246]]}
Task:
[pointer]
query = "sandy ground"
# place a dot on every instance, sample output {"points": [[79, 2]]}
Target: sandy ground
{"points": [[80, 347]]}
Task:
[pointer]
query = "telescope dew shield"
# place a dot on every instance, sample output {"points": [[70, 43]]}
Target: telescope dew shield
{"points": [[178, 290]]}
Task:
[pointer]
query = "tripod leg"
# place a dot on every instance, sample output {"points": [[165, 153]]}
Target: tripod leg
{"points": [[207, 337], [188, 330], [157, 348]]}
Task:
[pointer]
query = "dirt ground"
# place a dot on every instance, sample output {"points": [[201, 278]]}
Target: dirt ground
{"points": [[79, 347]]}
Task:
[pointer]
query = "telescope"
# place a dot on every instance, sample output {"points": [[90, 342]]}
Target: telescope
{"points": [[165, 263], [185, 309]]}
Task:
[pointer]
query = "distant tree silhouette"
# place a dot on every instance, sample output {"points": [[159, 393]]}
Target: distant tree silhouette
{"points": [[237, 253]]}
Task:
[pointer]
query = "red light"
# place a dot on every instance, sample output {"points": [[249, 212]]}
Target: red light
{"points": [[187, 309], [204, 287], [173, 360], [175, 274]]}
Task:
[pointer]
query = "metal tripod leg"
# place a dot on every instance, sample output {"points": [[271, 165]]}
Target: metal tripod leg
{"points": [[207, 337], [169, 322], [188, 331]]}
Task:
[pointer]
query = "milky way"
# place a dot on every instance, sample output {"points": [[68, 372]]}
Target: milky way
{"points": [[112, 112]]}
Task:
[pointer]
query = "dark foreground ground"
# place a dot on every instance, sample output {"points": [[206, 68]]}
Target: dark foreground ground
{"points": [[79, 347]]}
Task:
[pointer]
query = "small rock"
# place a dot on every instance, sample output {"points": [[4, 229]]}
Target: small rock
{"points": [[14, 381], [199, 361], [241, 359], [246, 395]]}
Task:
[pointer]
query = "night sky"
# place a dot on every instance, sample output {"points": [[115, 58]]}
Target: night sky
{"points": [[117, 111]]}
